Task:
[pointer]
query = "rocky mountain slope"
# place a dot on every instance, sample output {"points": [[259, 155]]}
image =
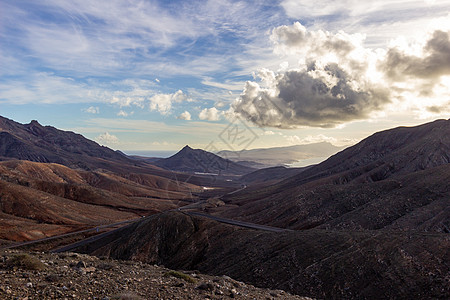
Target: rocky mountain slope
{"points": [[39, 199], [196, 160], [317, 263], [270, 175], [387, 153], [75, 276], [394, 179], [54, 181], [39, 143]]}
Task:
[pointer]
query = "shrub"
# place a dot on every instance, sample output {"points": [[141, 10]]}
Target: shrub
{"points": [[25, 261], [126, 296], [180, 275]]}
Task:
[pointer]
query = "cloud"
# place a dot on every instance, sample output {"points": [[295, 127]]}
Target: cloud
{"points": [[163, 102], [41, 87], [185, 116], [312, 139], [210, 114], [383, 19], [92, 110], [123, 113], [141, 94], [431, 63], [268, 132], [338, 79], [107, 139]]}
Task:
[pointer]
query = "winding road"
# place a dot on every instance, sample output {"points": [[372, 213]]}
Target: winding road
{"points": [[129, 222]]}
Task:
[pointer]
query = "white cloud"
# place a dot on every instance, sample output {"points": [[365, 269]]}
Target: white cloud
{"points": [[268, 132], [123, 113], [210, 114], [185, 116], [163, 102], [107, 139], [92, 110], [338, 80], [382, 19], [312, 139]]}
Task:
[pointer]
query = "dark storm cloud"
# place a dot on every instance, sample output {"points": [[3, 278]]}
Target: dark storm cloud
{"points": [[303, 99]]}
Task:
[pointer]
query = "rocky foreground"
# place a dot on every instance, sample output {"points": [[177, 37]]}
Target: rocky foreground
{"points": [[76, 276]]}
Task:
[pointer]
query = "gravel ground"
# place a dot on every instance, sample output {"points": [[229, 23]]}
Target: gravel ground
{"points": [[29, 276]]}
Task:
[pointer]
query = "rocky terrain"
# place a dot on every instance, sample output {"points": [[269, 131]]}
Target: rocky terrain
{"points": [[42, 199], [395, 179], [315, 263], [75, 276], [370, 222], [53, 182]]}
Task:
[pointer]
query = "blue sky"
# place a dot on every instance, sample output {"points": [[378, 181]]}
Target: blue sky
{"points": [[156, 75]]}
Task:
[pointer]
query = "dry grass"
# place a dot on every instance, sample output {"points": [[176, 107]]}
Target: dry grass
{"points": [[25, 261], [181, 275], [127, 296]]}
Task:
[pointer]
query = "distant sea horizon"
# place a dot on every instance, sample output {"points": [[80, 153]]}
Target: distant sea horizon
{"points": [[151, 153]]}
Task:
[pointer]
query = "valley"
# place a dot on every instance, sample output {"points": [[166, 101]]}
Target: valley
{"points": [[371, 221]]}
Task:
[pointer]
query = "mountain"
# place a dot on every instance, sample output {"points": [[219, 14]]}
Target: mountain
{"points": [[395, 179], [322, 264], [190, 160], [388, 153], [370, 222], [47, 144], [279, 156], [54, 181], [39, 143]]}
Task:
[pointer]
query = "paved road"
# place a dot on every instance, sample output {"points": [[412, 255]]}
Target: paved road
{"points": [[237, 223], [238, 190], [20, 244]]}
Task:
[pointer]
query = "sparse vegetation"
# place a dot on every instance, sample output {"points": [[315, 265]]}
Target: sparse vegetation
{"points": [[181, 275], [127, 296], [25, 261]]}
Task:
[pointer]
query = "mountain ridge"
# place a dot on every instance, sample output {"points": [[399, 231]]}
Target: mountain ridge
{"points": [[389, 178], [191, 160], [39, 143]]}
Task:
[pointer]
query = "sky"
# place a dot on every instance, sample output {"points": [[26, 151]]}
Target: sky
{"points": [[158, 75]]}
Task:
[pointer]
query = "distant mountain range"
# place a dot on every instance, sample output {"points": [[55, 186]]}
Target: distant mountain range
{"points": [[280, 156], [47, 144], [203, 162]]}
